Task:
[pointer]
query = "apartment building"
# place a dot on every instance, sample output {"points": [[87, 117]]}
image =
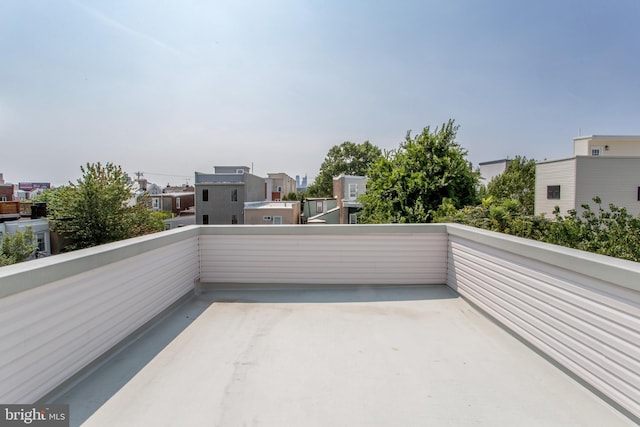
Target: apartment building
{"points": [[220, 196], [604, 166]]}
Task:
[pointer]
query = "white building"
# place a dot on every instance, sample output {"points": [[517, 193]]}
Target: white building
{"points": [[604, 166], [489, 170]]}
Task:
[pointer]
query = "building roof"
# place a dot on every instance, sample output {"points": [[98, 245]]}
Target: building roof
{"points": [[609, 137], [270, 205], [350, 356]]}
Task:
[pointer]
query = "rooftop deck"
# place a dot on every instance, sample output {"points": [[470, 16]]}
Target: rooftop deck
{"points": [[342, 357], [335, 325]]}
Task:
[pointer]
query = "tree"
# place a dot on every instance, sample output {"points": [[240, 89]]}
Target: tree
{"points": [[94, 210], [347, 158], [18, 247], [408, 184], [518, 182]]}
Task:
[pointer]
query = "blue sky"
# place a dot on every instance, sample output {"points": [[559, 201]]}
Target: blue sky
{"points": [[173, 87]]}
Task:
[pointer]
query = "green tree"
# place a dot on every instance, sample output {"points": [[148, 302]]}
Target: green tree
{"points": [[95, 210], [518, 182], [18, 247], [408, 184], [347, 158]]}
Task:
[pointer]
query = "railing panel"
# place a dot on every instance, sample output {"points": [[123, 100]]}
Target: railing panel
{"points": [[304, 256], [549, 296], [49, 332]]}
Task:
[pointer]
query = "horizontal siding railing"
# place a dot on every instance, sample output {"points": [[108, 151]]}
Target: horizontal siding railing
{"points": [[61, 313], [75, 307], [549, 296], [324, 255]]}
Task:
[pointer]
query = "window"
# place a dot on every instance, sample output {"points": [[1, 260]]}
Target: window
{"points": [[353, 191], [277, 219], [319, 207], [234, 219], [205, 195], [40, 238], [155, 203], [234, 195], [595, 151], [553, 192], [3, 199], [638, 199], [177, 202], [241, 171], [353, 218], [205, 219]]}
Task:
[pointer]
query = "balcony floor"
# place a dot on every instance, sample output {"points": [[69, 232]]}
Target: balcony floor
{"points": [[334, 357]]}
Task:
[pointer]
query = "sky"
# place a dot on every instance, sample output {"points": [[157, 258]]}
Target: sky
{"points": [[168, 88]]}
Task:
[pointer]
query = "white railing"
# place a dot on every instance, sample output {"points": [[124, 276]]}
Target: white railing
{"points": [[60, 314], [580, 309]]}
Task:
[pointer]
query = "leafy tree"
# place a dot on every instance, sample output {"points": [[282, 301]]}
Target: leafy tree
{"points": [[408, 184], [95, 210], [347, 158], [291, 197], [516, 182], [18, 248]]}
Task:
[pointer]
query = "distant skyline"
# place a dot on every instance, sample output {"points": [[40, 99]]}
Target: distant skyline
{"points": [[170, 88]]}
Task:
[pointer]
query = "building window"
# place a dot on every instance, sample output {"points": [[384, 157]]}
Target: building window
{"points": [[353, 218], [40, 238], [353, 191], [277, 219], [595, 151], [553, 192], [3, 199], [319, 207], [177, 202], [205, 219], [234, 219], [639, 194], [205, 195], [155, 203], [234, 195]]}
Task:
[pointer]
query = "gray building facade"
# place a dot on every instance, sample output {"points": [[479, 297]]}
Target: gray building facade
{"points": [[220, 196]]}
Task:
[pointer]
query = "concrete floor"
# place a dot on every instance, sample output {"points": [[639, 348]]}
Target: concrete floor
{"points": [[403, 356]]}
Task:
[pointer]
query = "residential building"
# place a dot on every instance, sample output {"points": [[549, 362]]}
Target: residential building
{"points": [[40, 228], [607, 145], [6, 192], [320, 210], [272, 212], [29, 190], [279, 185], [489, 170], [220, 196], [604, 166], [173, 202], [346, 189]]}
